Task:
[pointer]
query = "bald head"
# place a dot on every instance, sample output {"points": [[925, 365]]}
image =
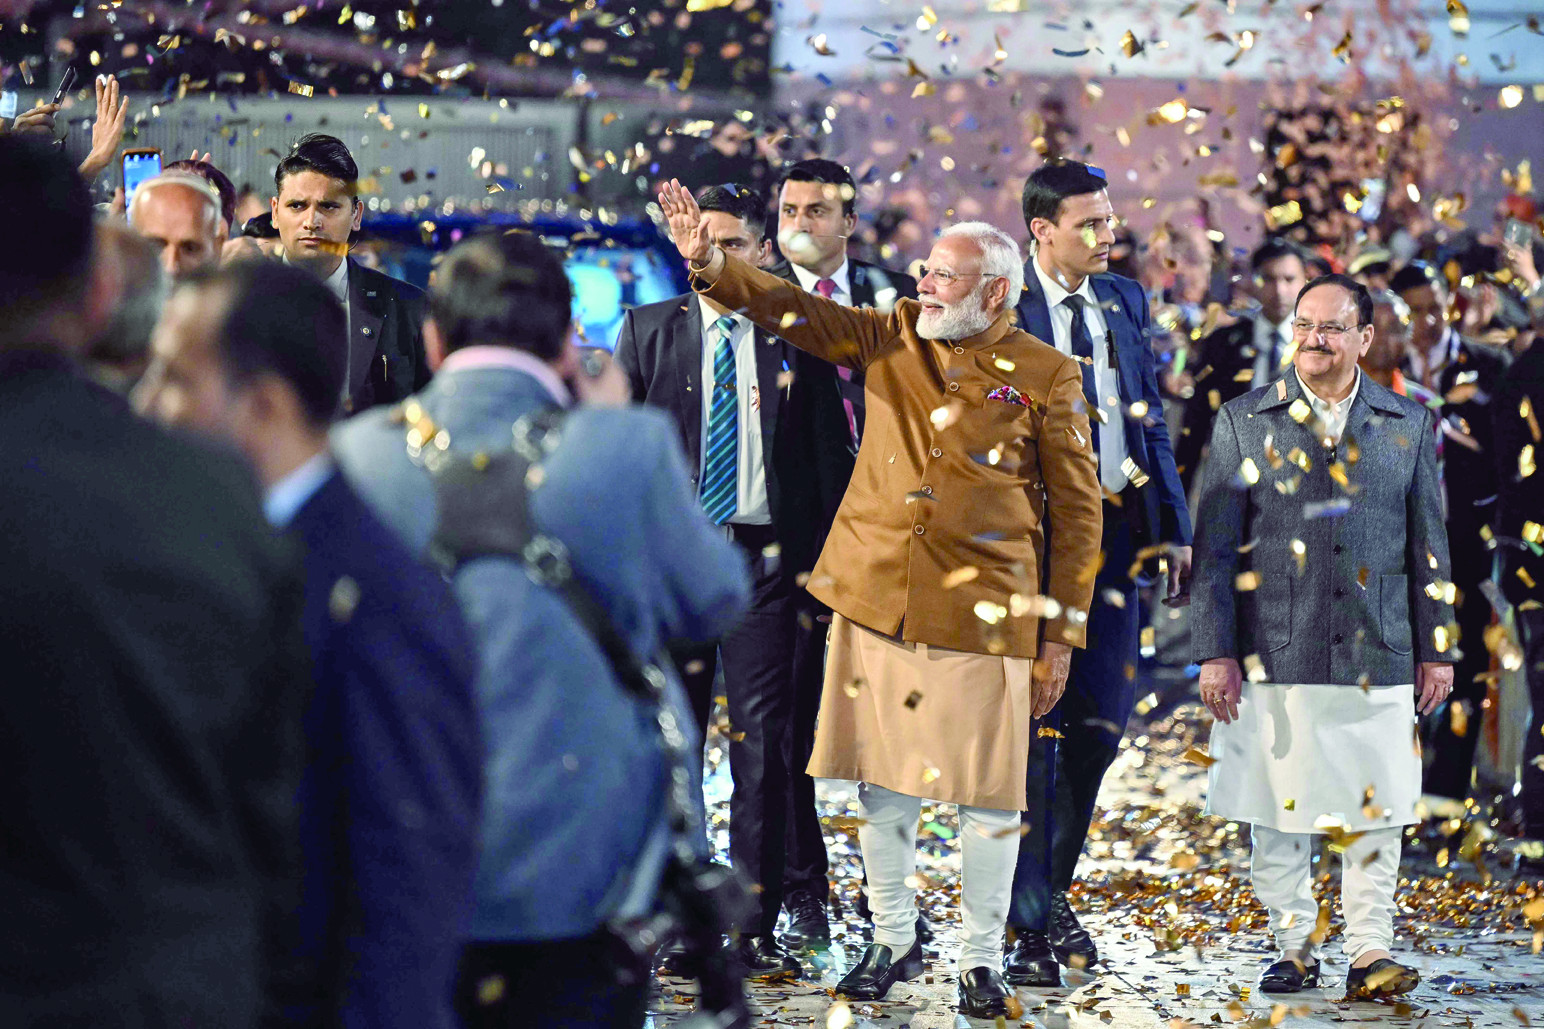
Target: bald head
{"points": [[180, 214]]}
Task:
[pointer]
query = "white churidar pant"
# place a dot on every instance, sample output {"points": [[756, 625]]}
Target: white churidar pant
{"points": [[989, 849]]}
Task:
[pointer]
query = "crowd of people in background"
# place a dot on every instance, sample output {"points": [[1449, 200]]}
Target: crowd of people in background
{"points": [[364, 639]]}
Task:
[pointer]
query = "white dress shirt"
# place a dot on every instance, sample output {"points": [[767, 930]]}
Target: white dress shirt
{"points": [[842, 277], [752, 507], [285, 498], [1112, 431], [1332, 415]]}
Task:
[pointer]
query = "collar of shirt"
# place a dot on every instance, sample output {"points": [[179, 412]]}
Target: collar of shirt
{"points": [[1445, 352], [286, 497], [709, 316], [476, 357], [1055, 292], [1331, 414], [842, 277], [337, 281]]}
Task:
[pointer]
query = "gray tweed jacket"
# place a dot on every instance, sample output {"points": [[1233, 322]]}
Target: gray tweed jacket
{"points": [[1327, 564]]}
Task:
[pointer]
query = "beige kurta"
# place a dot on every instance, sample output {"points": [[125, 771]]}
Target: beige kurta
{"points": [[924, 721]]}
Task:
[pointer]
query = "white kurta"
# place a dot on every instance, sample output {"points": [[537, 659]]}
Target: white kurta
{"points": [[1300, 757]]}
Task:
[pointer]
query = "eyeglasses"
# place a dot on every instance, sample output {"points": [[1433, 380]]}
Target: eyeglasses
{"points": [[947, 278], [1326, 330]]}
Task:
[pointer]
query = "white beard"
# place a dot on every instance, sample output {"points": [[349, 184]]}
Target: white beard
{"points": [[955, 321]]}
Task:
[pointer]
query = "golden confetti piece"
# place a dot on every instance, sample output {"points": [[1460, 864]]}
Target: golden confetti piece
{"points": [[1246, 582], [302, 89], [960, 576], [1458, 718], [1182, 990], [839, 1016], [1283, 215], [931, 774], [490, 990], [1172, 112], [1290, 805], [1300, 411], [343, 599], [1249, 471], [1129, 44], [1048, 733], [923, 89], [1526, 465], [1003, 363], [1254, 668], [1458, 17], [1440, 639], [695, 6], [1197, 756], [1533, 532], [989, 612], [1342, 49], [852, 688]]}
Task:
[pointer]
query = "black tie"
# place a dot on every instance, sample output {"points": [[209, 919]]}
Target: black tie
{"points": [[1083, 349]]}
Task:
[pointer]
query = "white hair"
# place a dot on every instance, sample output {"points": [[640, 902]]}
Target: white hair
{"points": [[177, 177], [1000, 255]]}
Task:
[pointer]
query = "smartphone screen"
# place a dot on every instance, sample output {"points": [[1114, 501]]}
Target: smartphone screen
{"points": [[137, 168], [1518, 232]]}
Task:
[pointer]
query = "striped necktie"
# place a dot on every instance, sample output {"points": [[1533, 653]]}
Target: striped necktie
{"points": [[721, 466]]}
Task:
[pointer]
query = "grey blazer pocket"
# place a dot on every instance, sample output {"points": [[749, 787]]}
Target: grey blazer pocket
{"points": [[1394, 612], [1271, 616]]}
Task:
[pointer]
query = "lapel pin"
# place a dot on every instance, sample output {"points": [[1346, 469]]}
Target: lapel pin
{"points": [[367, 331]]}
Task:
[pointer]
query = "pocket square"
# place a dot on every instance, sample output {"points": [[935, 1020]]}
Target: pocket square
{"points": [[1008, 395]]}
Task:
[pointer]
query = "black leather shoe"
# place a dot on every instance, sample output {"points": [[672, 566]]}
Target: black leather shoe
{"points": [[1029, 960], [878, 970], [671, 961], [807, 922], [1287, 976], [1382, 978], [983, 994], [1069, 940], [766, 961]]}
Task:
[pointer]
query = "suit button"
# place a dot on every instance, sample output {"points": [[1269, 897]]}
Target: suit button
{"points": [[954, 387], [917, 529], [367, 331], [928, 490], [936, 452], [1336, 548], [959, 350], [1339, 638]]}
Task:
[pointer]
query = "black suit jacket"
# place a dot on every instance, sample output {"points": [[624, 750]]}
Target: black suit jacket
{"points": [[1219, 366], [871, 286], [1468, 388], [1156, 508], [386, 339], [152, 677], [1519, 495], [805, 437]]}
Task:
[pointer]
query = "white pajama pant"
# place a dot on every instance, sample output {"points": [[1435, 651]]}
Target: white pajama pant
{"points": [[989, 850], [1281, 873]]}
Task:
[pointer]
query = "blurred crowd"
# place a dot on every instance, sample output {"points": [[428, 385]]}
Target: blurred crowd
{"points": [[296, 752]]}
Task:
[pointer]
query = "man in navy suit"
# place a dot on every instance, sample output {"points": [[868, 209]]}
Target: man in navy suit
{"points": [[389, 797], [1071, 301]]}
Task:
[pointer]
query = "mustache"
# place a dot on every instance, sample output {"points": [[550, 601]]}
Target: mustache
{"points": [[1315, 350]]}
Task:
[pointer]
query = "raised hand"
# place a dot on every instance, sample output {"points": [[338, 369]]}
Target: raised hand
{"points": [[112, 110], [688, 230]]}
